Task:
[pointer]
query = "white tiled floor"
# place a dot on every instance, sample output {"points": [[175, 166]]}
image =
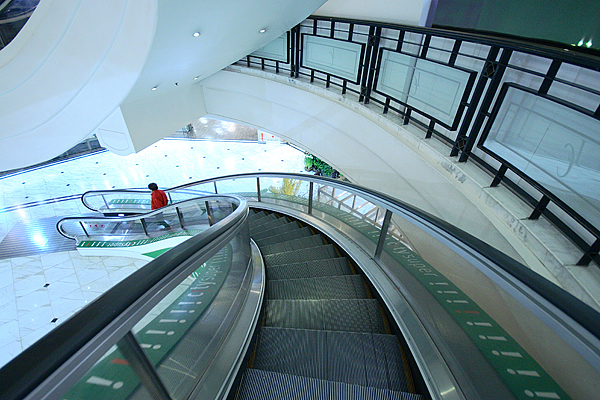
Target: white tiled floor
{"points": [[39, 292]]}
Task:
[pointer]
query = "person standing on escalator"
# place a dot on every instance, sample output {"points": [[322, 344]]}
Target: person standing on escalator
{"points": [[159, 198]]}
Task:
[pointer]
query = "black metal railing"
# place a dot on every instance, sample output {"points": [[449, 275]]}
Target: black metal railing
{"points": [[490, 66]]}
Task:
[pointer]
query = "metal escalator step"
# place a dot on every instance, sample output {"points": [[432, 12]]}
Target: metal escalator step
{"points": [[364, 359], [296, 256], [274, 223], [389, 346], [310, 269], [353, 315], [255, 216], [295, 244], [288, 227], [292, 351], [299, 314], [278, 238], [350, 315], [267, 385], [329, 287], [257, 221]]}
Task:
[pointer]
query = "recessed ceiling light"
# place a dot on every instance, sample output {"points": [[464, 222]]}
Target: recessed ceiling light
{"points": [[263, 30], [196, 34], [196, 78], [154, 88]]}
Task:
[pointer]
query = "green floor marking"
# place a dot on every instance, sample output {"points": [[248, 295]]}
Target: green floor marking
{"points": [[138, 242], [112, 378], [156, 253], [524, 377], [130, 201]]}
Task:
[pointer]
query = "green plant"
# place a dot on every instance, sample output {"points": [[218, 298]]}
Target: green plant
{"points": [[289, 187]]}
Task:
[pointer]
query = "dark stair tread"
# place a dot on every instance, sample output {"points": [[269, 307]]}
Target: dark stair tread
{"points": [[294, 244], [329, 287], [283, 237], [267, 225], [350, 315], [365, 359], [295, 256], [269, 385], [288, 227], [310, 269]]}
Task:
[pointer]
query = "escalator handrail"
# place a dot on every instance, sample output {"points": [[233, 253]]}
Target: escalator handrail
{"points": [[586, 316], [145, 192], [136, 217], [39, 361]]}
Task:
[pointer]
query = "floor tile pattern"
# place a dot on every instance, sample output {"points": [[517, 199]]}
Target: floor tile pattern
{"points": [[40, 290]]}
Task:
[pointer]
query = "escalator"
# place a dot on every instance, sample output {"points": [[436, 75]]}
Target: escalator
{"points": [[342, 293], [323, 336]]}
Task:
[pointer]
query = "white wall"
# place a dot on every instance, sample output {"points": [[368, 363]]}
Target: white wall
{"points": [[337, 131], [407, 12]]}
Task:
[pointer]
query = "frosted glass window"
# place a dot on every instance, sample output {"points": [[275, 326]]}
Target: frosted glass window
{"points": [[557, 146], [434, 89], [276, 50], [335, 57]]}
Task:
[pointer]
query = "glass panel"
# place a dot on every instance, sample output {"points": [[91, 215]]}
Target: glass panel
{"points": [[338, 205], [503, 330], [110, 378], [332, 56], [179, 334], [290, 192], [191, 192], [555, 145], [244, 187]]}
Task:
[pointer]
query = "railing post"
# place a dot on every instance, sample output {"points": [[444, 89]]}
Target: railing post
{"points": [[258, 188], [179, 216], [499, 175], [373, 67], [310, 198], [485, 105], [143, 368], [215, 185], [105, 202], [541, 206], [143, 221], [383, 234], [475, 97], [589, 255], [209, 213], [83, 227]]}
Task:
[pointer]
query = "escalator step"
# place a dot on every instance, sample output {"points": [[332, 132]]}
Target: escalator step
{"points": [[266, 385], [288, 227], [296, 256], [351, 315], [278, 238], [274, 223], [256, 216], [295, 244], [364, 359], [330, 287], [310, 269]]}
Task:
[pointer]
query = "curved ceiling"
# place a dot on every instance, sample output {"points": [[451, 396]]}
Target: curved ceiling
{"points": [[75, 62]]}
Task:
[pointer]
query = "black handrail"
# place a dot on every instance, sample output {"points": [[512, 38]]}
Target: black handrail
{"points": [[479, 105], [146, 214], [39, 361]]}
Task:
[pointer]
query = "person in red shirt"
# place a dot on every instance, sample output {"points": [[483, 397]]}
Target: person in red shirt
{"points": [[159, 198]]}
